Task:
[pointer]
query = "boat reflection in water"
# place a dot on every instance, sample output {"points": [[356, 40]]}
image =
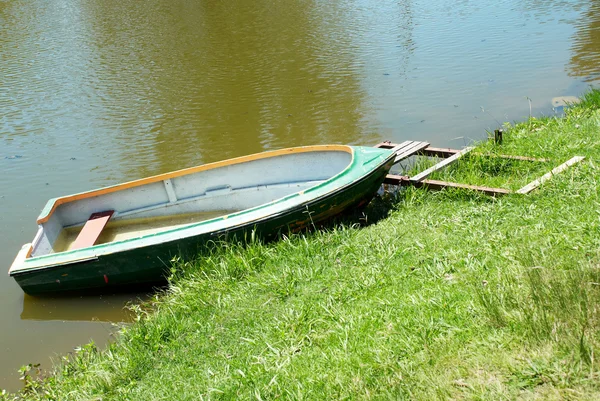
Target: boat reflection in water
{"points": [[112, 308]]}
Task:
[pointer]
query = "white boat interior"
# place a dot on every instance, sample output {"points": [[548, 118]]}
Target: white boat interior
{"points": [[186, 197]]}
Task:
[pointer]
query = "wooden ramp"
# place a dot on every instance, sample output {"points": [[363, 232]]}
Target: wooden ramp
{"points": [[407, 149], [449, 156]]}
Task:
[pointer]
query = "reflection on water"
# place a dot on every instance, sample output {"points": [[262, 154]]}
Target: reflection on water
{"points": [[585, 61], [100, 308], [191, 82], [94, 93]]}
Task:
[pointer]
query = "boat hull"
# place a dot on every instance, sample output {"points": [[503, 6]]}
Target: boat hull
{"points": [[151, 264]]}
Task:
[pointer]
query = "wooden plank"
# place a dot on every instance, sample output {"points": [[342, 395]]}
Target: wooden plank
{"points": [[428, 151], [405, 149], [438, 152], [394, 179], [522, 158], [424, 174], [91, 230], [403, 180], [414, 148], [397, 148], [447, 152], [431, 151], [534, 184], [435, 184]]}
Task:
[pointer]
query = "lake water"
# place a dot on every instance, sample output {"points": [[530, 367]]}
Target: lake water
{"points": [[94, 93]]}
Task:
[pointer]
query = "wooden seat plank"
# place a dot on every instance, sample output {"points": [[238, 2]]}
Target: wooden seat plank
{"points": [[91, 230]]}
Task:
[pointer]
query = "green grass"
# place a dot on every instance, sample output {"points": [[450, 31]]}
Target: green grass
{"points": [[454, 295]]}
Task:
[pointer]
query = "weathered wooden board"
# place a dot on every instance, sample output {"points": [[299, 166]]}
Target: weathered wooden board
{"points": [[424, 174], [412, 149], [405, 149], [402, 180], [396, 148], [534, 184], [521, 158], [447, 152], [435, 184]]}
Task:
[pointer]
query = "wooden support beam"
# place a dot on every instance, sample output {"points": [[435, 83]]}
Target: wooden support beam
{"points": [[447, 152], [521, 158], [435, 184], [394, 179], [438, 152], [427, 151], [534, 184], [170, 191], [424, 174], [402, 180]]}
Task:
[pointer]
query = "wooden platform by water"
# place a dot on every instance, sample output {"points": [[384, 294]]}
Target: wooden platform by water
{"points": [[407, 149]]}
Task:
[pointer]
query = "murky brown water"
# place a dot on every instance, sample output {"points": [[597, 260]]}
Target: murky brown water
{"points": [[98, 92]]}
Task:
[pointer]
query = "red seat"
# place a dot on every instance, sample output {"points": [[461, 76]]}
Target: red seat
{"points": [[91, 230]]}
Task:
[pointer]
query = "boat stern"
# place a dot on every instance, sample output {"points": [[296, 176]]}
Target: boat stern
{"points": [[23, 254]]}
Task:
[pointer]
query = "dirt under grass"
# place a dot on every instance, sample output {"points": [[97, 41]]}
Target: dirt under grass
{"points": [[453, 295]]}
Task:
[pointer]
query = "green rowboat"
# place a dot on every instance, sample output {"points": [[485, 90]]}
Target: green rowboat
{"points": [[127, 234]]}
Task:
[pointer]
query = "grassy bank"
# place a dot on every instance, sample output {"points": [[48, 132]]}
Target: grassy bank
{"points": [[453, 295]]}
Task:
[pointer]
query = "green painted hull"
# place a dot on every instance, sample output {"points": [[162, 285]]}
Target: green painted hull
{"points": [[149, 264]]}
